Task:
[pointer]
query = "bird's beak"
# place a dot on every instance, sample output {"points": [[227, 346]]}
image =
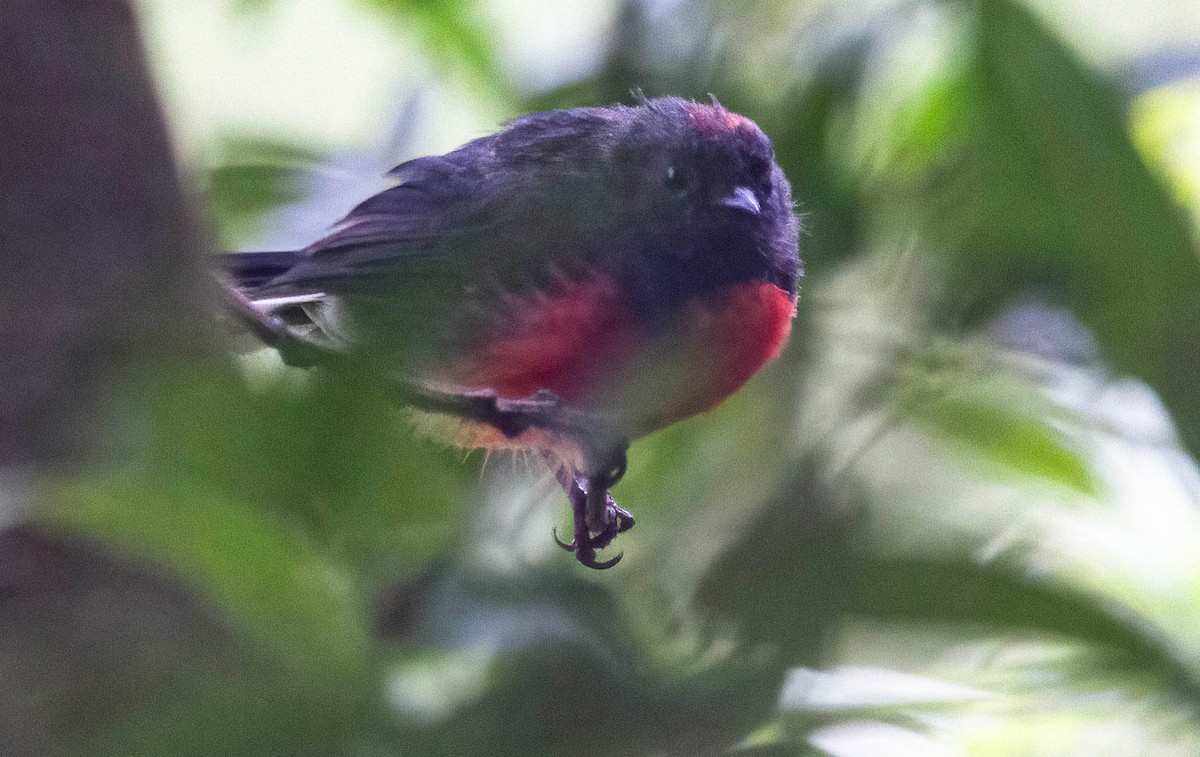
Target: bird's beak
{"points": [[743, 199]]}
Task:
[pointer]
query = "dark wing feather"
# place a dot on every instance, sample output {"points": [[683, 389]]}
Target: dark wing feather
{"points": [[249, 270], [500, 206], [387, 233]]}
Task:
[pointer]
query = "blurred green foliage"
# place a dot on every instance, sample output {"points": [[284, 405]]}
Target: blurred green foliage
{"points": [[253, 177], [909, 489]]}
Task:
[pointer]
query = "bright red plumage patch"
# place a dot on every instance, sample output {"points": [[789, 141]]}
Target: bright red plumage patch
{"points": [[730, 335], [572, 343], [579, 341], [584, 345]]}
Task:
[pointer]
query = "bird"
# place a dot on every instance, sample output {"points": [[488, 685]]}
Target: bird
{"points": [[638, 261]]}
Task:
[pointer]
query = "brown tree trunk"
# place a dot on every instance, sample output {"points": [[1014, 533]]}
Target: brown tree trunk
{"points": [[99, 278], [98, 254]]}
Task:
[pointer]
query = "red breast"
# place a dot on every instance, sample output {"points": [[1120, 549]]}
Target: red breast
{"points": [[584, 345]]}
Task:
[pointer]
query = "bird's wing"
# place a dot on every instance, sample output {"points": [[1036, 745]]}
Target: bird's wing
{"points": [[249, 270], [395, 232], [509, 200]]}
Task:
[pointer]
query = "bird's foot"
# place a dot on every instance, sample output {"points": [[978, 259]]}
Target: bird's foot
{"points": [[598, 520]]}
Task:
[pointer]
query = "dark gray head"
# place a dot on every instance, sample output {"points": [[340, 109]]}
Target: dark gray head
{"points": [[701, 182]]}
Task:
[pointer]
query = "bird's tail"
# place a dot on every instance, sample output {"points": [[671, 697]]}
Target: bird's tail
{"points": [[251, 270]]}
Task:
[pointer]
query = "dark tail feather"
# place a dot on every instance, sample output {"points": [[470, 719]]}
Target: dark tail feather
{"points": [[249, 270]]}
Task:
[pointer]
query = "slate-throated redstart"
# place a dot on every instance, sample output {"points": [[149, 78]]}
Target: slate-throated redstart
{"points": [[641, 261]]}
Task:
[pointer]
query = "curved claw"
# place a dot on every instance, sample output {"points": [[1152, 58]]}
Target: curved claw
{"points": [[568, 546], [598, 518], [603, 564]]}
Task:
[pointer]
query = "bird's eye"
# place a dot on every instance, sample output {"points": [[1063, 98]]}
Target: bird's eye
{"points": [[674, 181], [760, 175]]}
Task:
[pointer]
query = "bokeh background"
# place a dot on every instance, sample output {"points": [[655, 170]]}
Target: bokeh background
{"points": [[959, 516]]}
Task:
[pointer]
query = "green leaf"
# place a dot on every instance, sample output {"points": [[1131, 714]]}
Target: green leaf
{"points": [[558, 654], [1004, 432], [253, 178], [454, 32], [780, 580], [269, 582], [810, 140], [325, 454], [997, 596], [1051, 195], [251, 709]]}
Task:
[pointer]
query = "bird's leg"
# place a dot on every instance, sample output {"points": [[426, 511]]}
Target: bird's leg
{"points": [[597, 517], [603, 516]]}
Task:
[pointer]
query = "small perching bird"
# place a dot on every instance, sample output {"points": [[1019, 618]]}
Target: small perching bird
{"points": [[637, 263]]}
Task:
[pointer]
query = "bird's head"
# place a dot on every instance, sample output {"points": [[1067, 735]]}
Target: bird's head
{"points": [[705, 182]]}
